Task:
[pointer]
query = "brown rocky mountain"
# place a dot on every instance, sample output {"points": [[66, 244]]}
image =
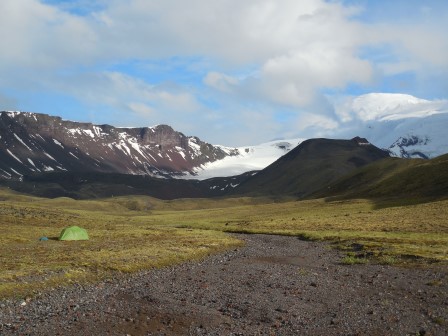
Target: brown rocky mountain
{"points": [[32, 143]]}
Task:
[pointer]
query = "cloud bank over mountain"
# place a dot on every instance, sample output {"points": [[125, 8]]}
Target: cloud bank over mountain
{"points": [[229, 71]]}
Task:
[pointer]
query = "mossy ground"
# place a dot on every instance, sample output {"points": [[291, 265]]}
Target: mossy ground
{"points": [[128, 234]]}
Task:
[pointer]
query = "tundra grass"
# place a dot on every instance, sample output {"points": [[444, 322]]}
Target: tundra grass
{"points": [[116, 245], [129, 234]]}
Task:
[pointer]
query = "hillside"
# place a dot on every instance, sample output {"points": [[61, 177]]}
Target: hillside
{"points": [[394, 177], [311, 166]]}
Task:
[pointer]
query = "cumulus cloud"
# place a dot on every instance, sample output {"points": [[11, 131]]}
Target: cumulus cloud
{"points": [[141, 109], [294, 79], [122, 91], [41, 37], [386, 106], [295, 51], [411, 48], [221, 81]]}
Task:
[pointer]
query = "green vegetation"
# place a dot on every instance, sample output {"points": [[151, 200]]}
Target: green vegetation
{"points": [[352, 260], [413, 179], [133, 233], [418, 230]]}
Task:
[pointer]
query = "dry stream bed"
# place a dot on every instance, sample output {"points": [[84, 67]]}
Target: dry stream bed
{"points": [[274, 285]]}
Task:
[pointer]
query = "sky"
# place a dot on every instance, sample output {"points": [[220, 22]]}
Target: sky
{"points": [[231, 72]]}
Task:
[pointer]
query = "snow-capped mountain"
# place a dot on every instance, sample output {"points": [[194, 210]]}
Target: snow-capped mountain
{"points": [[33, 143], [407, 126]]}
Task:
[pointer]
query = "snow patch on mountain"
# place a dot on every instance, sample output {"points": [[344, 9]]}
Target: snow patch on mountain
{"points": [[15, 157], [22, 142]]}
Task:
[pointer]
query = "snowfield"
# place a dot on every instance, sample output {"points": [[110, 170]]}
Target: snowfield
{"points": [[249, 158]]}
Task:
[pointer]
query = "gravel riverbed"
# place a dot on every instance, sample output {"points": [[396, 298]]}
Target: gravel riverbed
{"points": [[273, 285]]}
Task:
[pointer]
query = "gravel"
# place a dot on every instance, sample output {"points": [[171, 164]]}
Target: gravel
{"points": [[273, 285]]}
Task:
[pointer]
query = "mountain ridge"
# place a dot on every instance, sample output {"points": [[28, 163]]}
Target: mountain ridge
{"points": [[32, 143], [316, 168], [36, 143]]}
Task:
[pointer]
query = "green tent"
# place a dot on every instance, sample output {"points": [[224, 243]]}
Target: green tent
{"points": [[74, 233]]}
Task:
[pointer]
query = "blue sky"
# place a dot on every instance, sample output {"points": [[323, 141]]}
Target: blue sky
{"points": [[230, 72]]}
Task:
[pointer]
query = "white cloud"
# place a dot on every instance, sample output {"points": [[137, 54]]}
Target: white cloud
{"points": [[7, 103], [141, 109], [294, 50], [312, 125], [412, 47], [41, 37], [221, 81], [304, 47], [295, 79], [128, 95], [386, 106]]}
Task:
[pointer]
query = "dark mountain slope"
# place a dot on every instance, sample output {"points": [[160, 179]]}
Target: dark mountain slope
{"points": [[311, 166], [392, 177], [88, 185]]}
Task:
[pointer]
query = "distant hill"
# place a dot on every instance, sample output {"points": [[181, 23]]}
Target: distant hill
{"points": [[311, 166], [394, 177]]}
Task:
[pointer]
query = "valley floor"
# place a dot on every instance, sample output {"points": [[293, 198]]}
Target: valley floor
{"points": [[274, 285]]}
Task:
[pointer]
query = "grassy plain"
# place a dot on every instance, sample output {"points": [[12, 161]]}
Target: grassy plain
{"points": [[118, 243], [383, 228], [137, 232]]}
